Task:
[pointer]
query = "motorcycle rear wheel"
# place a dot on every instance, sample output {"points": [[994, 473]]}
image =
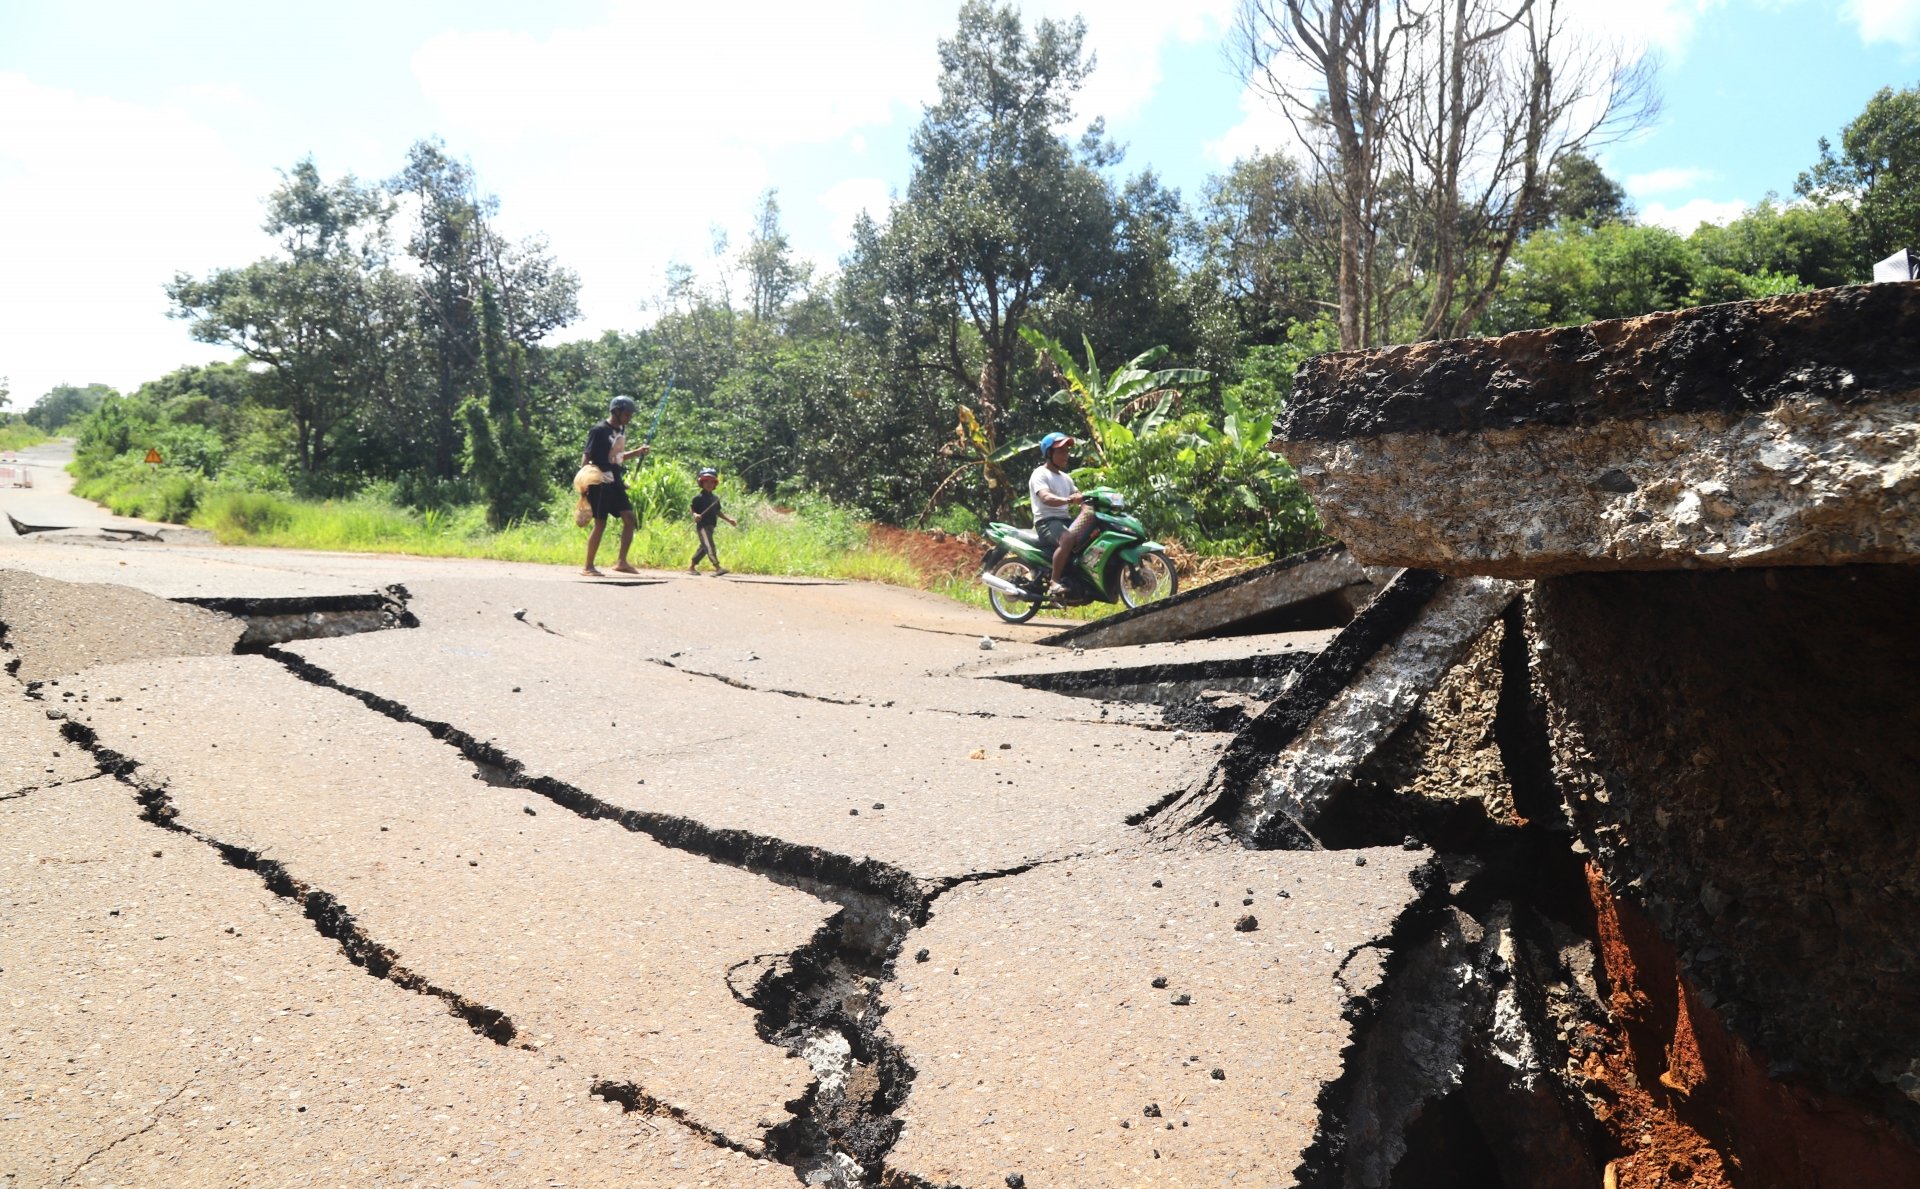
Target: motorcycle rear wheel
{"points": [[1009, 607], [1149, 580]]}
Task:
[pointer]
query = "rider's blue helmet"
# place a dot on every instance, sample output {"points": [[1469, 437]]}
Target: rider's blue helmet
{"points": [[1050, 441]]}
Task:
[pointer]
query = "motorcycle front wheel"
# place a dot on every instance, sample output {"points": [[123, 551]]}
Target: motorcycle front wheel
{"points": [[1012, 608], [1148, 580]]}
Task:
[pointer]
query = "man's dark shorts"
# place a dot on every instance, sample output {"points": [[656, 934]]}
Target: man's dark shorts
{"points": [[608, 499], [1050, 529]]}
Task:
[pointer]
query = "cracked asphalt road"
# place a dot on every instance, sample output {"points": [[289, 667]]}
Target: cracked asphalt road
{"points": [[564, 825]]}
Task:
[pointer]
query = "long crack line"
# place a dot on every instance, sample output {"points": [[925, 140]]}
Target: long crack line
{"points": [[158, 1111], [331, 918], [758, 853], [736, 683], [825, 998]]}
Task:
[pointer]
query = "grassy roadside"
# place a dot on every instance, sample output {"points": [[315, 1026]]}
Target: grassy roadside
{"points": [[768, 541], [18, 435], [814, 540]]}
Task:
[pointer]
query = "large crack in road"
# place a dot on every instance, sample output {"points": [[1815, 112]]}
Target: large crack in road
{"points": [[823, 1002]]}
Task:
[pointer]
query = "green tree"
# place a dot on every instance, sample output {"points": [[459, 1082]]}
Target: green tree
{"points": [[1120, 406], [773, 275], [446, 245], [1579, 191], [507, 453], [1568, 275], [1001, 214], [1817, 244], [1259, 243], [457, 254], [1876, 173], [322, 319], [65, 404]]}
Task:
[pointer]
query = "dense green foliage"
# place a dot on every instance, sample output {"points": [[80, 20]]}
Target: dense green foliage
{"points": [[395, 354], [18, 435]]}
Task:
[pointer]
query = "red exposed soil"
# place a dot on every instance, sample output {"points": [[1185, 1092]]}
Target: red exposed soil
{"points": [[936, 554], [1688, 1103]]}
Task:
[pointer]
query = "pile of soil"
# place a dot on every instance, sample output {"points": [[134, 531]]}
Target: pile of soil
{"points": [[936, 554]]}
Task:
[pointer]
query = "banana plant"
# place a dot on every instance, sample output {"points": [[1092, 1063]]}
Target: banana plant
{"points": [[1120, 407], [969, 438]]}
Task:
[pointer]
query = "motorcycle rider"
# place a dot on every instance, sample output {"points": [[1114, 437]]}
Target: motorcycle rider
{"points": [[1054, 495]]}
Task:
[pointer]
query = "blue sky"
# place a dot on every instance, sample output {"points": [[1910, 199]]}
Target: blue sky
{"points": [[138, 139]]}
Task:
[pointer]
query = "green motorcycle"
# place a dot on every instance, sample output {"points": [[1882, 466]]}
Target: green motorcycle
{"points": [[1116, 564]]}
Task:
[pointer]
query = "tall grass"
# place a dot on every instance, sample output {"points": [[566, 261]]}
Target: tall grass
{"points": [[823, 543], [18, 435]]}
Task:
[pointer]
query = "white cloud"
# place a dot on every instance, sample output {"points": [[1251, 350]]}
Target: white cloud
{"points": [[1263, 127], [1897, 21], [844, 202], [1665, 181], [1127, 38], [655, 124], [105, 202], [1689, 215], [1663, 26]]}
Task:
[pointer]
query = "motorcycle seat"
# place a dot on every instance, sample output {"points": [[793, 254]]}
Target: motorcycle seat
{"points": [[1027, 536]]}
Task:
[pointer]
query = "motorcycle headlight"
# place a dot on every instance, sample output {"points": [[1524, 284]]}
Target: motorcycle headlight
{"points": [[1117, 500]]}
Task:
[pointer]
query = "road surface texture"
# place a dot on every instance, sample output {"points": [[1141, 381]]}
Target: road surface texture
{"points": [[672, 881]]}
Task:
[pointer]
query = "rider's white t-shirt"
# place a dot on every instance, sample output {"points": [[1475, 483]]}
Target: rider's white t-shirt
{"points": [[1045, 478]]}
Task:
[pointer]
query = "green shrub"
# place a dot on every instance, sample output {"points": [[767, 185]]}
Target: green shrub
{"points": [[236, 516], [18, 435]]}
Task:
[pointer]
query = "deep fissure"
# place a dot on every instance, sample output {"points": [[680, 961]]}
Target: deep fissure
{"points": [[273, 621], [1487, 960], [822, 997]]}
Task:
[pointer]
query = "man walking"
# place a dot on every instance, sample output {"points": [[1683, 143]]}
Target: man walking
{"points": [[607, 450]]}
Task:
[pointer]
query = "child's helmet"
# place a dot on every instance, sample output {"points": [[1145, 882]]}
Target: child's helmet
{"points": [[708, 473]]}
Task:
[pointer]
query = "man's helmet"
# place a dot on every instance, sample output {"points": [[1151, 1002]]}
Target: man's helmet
{"points": [[708, 473], [622, 402], [1050, 441]]}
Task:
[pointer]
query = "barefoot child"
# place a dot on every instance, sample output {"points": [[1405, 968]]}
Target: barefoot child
{"points": [[706, 510]]}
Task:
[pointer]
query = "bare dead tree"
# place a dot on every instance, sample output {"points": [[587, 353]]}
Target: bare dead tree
{"points": [[1432, 128]]}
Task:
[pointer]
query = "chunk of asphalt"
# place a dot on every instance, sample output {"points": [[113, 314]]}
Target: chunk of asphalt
{"points": [[1304, 789], [51, 629], [197, 978], [1030, 940]]}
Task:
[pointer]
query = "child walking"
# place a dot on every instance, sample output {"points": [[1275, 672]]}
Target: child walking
{"points": [[706, 510]]}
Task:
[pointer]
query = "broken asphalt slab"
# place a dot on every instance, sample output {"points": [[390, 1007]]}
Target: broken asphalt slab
{"points": [[853, 643], [1777, 432], [32, 753], [926, 795], [1257, 594], [571, 936], [50, 628], [1133, 1020], [1165, 674], [170, 1021]]}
